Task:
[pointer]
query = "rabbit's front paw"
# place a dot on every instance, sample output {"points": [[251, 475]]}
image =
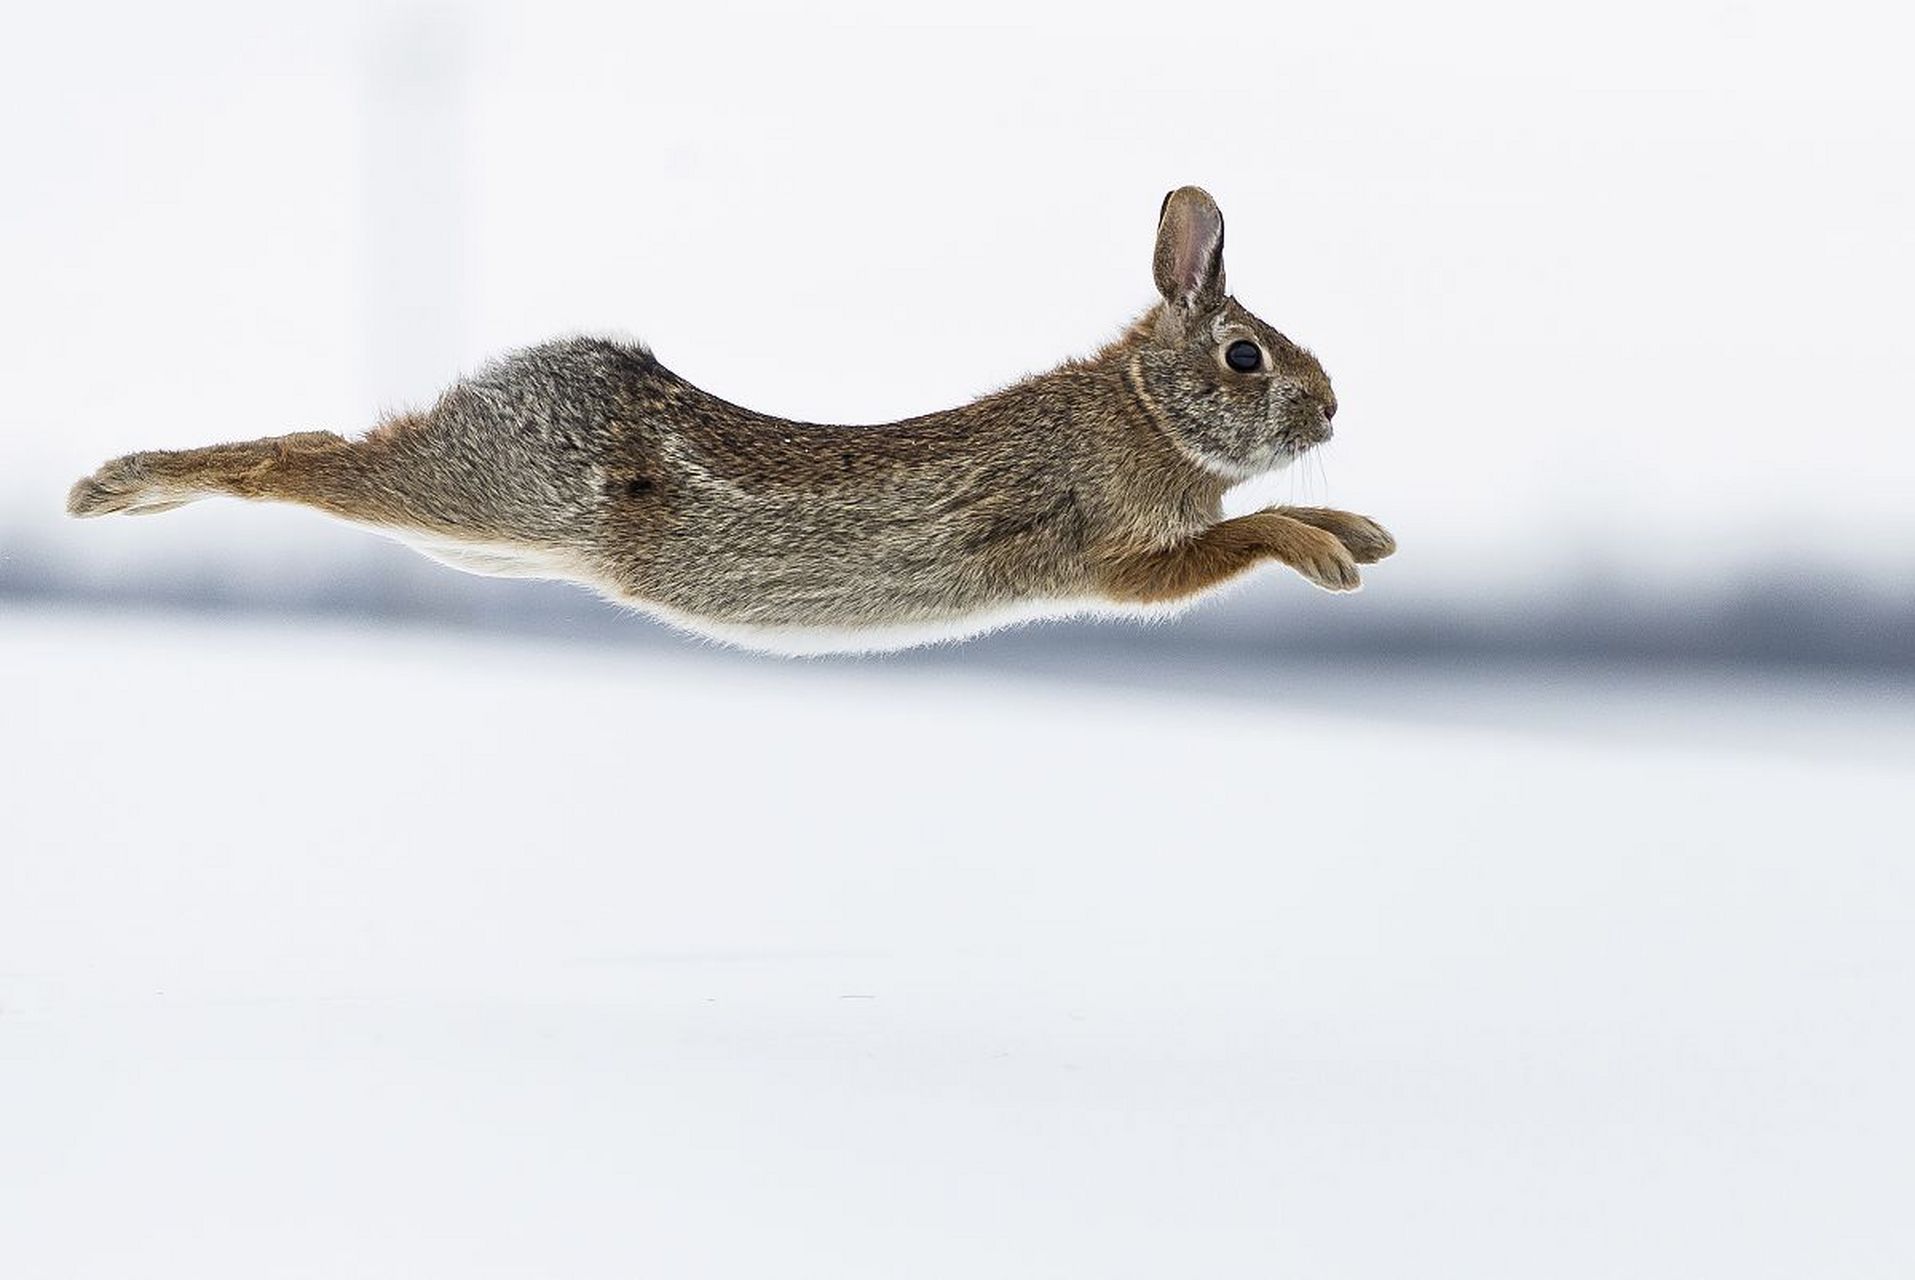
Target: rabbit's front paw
{"points": [[1366, 540], [1322, 558]]}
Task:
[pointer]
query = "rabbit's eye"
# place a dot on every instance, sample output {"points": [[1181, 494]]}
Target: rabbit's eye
{"points": [[1244, 357]]}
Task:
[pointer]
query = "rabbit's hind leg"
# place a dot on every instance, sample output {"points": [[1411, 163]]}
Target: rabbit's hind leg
{"points": [[162, 479], [456, 498]]}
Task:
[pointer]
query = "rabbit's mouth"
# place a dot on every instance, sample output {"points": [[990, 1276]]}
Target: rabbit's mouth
{"points": [[1277, 457], [1298, 430]]}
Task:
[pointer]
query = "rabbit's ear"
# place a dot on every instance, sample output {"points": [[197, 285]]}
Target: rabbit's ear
{"points": [[1189, 261]]}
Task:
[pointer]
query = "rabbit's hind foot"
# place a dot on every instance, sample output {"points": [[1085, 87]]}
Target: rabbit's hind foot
{"points": [[141, 484], [126, 486]]}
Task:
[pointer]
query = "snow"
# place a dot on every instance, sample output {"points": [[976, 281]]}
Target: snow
{"points": [[328, 952], [377, 953]]}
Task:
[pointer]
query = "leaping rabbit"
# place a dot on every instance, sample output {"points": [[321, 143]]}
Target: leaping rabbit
{"points": [[1095, 487]]}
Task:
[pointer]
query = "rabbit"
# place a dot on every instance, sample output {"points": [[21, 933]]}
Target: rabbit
{"points": [[1094, 488]]}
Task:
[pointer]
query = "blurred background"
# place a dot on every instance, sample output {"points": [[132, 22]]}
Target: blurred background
{"points": [[1543, 909]]}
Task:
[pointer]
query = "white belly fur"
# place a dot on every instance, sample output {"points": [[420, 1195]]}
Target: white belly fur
{"points": [[488, 559], [507, 560], [806, 642]]}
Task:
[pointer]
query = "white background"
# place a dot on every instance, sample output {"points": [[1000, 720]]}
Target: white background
{"points": [[1619, 292], [333, 950]]}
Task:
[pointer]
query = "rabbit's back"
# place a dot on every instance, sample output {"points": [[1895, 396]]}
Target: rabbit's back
{"points": [[729, 514], [692, 503]]}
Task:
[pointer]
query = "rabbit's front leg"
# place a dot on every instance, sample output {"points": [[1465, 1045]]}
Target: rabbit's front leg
{"points": [[1225, 550], [1368, 541]]}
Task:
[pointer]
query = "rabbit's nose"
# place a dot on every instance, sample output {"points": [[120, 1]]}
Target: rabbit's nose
{"points": [[1329, 410]]}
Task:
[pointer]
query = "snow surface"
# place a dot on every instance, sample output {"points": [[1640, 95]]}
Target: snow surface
{"points": [[336, 953]]}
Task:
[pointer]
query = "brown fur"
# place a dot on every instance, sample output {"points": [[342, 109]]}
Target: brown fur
{"points": [[1100, 482]]}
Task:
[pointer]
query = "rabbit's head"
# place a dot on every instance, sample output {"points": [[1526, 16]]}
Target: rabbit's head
{"points": [[1232, 392]]}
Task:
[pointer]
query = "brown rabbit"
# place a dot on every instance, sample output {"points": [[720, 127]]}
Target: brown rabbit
{"points": [[1096, 487]]}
